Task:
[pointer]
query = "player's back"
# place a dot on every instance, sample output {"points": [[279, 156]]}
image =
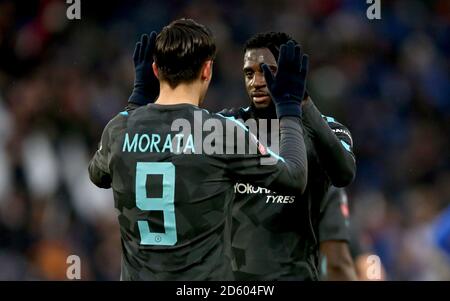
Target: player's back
{"points": [[172, 169], [172, 203]]}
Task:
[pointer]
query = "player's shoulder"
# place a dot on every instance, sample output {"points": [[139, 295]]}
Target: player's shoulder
{"points": [[332, 122], [337, 127], [238, 113], [231, 121], [334, 194], [229, 112], [133, 115], [120, 119], [235, 116]]}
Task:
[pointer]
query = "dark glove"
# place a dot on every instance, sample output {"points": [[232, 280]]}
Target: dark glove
{"points": [[146, 85], [287, 86]]}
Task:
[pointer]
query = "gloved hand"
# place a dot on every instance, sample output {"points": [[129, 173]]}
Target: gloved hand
{"points": [[146, 85], [287, 87]]}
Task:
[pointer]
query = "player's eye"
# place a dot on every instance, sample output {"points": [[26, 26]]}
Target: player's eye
{"points": [[249, 74]]}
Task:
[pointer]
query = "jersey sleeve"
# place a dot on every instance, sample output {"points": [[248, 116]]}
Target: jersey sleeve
{"points": [[286, 171], [342, 133], [99, 172], [334, 216], [333, 143], [98, 168]]}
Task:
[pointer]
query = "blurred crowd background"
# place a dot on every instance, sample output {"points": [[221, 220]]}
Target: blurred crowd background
{"points": [[61, 81]]}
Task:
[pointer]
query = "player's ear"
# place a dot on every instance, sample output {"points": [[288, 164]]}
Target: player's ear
{"points": [[155, 70], [206, 72]]}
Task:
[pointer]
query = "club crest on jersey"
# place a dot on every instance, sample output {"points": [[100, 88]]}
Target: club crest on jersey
{"points": [[344, 209], [262, 149]]}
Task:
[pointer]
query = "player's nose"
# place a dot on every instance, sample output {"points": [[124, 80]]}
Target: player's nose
{"points": [[259, 80]]}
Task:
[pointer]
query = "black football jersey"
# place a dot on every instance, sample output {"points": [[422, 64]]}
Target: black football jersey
{"points": [[173, 196]]}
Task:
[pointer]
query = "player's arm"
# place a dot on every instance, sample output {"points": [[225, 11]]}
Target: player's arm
{"points": [[334, 237], [99, 165], [293, 165], [286, 171], [338, 261], [333, 145]]}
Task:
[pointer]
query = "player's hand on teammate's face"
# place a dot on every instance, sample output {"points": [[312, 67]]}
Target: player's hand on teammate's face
{"points": [[287, 87], [291, 73]]}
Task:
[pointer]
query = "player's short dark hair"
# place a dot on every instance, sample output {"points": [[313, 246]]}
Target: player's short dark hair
{"points": [[271, 40], [181, 49]]}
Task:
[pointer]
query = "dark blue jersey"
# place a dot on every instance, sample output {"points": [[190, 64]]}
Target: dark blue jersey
{"points": [[334, 219], [173, 196], [274, 232]]}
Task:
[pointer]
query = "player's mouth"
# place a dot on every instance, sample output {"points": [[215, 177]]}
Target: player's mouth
{"points": [[260, 97]]}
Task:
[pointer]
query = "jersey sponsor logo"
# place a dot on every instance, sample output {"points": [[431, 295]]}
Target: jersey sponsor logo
{"points": [[242, 188], [271, 197], [280, 199]]}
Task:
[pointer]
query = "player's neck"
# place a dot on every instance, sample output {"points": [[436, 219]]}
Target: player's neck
{"points": [[183, 93], [268, 112]]}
